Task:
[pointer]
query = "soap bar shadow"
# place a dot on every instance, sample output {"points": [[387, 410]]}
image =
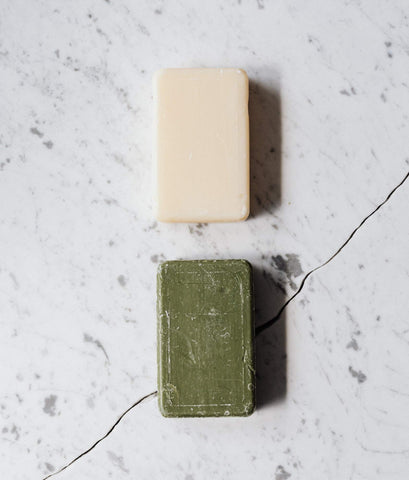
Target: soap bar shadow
{"points": [[271, 349], [265, 148]]}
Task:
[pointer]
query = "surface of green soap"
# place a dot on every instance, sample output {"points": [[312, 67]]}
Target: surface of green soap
{"points": [[205, 338]]}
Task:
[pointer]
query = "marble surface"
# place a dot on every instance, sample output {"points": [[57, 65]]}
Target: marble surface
{"points": [[79, 247]]}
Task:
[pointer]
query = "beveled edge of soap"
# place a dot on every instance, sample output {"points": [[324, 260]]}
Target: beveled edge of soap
{"points": [[171, 219], [162, 71], [248, 410]]}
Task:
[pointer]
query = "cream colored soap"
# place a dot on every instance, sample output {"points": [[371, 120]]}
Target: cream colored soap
{"points": [[201, 145]]}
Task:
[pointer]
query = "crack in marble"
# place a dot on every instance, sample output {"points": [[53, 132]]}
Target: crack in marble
{"points": [[138, 402], [271, 322], [259, 329]]}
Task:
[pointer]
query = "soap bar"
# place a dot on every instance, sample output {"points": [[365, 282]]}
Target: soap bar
{"points": [[205, 338], [201, 144]]}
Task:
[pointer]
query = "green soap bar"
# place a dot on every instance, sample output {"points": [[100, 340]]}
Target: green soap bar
{"points": [[205, 338]]}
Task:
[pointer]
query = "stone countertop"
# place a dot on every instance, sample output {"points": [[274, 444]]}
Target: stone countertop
{"points": [[79, 247]]}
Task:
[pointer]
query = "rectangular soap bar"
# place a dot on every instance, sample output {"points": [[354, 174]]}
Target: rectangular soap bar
{"points": [[201, 145], [205, 338]]}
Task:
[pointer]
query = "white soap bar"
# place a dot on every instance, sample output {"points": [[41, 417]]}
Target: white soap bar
{"points": [[201, 145]]}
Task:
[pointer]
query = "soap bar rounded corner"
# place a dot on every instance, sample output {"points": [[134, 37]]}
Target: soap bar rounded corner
{"points": [[158, 74], [165, 412], [247, 266], [250, 409], [162, 267], [160, 217], [243, 216], [241, 72]]}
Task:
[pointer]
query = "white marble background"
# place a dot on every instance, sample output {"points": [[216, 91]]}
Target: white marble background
{"points": [[79, 247]]}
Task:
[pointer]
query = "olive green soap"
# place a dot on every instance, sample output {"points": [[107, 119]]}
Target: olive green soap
{"points": [[205, 338]]}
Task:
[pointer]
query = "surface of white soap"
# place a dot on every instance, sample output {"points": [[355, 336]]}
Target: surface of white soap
{"points": [[201, 145]]}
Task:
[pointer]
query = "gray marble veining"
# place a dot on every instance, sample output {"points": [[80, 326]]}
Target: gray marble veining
{"points": [[79, 247]]}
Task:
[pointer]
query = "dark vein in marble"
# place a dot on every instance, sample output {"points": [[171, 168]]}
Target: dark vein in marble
{"points": [[142, 399], [271, 322]]}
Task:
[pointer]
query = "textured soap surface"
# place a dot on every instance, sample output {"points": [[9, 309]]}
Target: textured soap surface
{"points": [[201, 144], [205, 338]]}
